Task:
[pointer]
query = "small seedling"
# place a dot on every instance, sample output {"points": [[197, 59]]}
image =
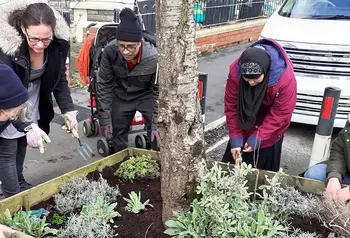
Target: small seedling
{"points": [[57, 219], [101, 210], [138, 167], [134, 204]]}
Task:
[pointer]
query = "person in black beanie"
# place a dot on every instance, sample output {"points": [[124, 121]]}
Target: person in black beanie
{"points": [[127, 82], [13, 107]]}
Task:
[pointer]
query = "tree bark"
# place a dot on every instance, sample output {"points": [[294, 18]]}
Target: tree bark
{"points": [[179, 123]]}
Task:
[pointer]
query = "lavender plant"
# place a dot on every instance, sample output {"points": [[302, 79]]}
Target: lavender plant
{"points": [[225, 208], [80, 191]]}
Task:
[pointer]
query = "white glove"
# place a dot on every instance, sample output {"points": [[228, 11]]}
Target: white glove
{"points": [[5, 231], [70, 119], [36, 137]]}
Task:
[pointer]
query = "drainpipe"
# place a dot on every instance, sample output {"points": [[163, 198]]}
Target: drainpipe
{"points": [[324, 130]]}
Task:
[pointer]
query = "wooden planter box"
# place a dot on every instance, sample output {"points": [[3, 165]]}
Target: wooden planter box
{"points": [[44, 191]]}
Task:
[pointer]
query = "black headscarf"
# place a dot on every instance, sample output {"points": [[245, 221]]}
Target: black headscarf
{"points": [[254, 62]]}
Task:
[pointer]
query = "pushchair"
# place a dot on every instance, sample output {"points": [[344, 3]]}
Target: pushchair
{"points": [[104, 35]]}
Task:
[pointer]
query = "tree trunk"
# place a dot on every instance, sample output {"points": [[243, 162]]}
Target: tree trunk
{"points": [[180, 124]]}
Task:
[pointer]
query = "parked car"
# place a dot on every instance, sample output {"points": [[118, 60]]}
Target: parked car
{"points": [[315, 34]]}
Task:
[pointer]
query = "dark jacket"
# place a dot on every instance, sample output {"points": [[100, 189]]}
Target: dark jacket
{"points": [[278, 104], [115, 78], [338, 164], [14, 52]]}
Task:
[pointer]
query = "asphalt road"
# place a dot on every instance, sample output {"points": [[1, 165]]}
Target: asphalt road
{"points": [[62, 157]]}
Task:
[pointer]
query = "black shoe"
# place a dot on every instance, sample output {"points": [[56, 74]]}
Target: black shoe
{"points": [[24, 185]]}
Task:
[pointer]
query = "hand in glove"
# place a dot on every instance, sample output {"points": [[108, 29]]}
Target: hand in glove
{"points": [[36, 137], [70, 119], [106, 130], [5, 231], [154, 135]]}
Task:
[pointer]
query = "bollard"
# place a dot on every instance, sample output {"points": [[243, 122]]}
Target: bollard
{"points": [[324, 130], [202, 92]]}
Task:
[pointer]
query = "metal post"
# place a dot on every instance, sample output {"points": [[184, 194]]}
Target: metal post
{"points": [[66, 16], [116, 17], [202, 91], [322, 141]]}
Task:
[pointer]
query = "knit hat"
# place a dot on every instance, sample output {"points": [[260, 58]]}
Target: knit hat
{"points": [[12, 91], [129, 28]]}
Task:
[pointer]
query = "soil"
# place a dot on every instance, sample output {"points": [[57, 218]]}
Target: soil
{"points": [[310, 225], [149, 223], [145, 224], [213, 136]]}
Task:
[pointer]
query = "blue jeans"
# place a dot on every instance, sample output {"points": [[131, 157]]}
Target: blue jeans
{"points": [[12, 153], [319, 171]]}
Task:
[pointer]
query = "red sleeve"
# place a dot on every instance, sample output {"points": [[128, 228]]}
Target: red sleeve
{"points": [[231, 95], [280, 114]]}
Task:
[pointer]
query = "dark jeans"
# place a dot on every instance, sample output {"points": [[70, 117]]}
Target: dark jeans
{"points": [[269, 157], [122, 115], [12, 154]]}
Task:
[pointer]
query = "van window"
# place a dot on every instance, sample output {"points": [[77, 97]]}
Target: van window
{"points": [[316, 9]]}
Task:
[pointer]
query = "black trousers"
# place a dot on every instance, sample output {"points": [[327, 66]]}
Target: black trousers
{"points": [[122, 115], [269, 158]]}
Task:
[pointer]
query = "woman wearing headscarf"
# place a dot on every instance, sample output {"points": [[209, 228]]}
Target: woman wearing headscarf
{"points": [[260, 97]]}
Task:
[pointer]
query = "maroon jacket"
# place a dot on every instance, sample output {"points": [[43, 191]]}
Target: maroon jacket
{"points": [[277, 107]]}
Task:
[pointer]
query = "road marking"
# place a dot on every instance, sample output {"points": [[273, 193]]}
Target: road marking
{"points": [[217, 144]]}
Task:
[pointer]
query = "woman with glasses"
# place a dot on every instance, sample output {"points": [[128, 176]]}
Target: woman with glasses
{"points": [[34, 43]]}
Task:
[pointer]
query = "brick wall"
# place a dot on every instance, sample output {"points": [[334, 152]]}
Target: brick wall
{"points": [[207, 40], [209, 43]]}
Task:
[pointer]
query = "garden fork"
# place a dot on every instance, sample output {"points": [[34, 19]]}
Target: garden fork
{"points": [[84, 149], [238, 159]]}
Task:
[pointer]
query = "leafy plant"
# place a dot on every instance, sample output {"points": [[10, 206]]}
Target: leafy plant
{"points": [[138, 167], [226, 208], [85, 226], [80, 191], [134, 204], [101, 210], [57, 219], [25, 222]]}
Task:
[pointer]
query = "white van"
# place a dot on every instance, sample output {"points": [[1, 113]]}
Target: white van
{"points": [[316, 36]]}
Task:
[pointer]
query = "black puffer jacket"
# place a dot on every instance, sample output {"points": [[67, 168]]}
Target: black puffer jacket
{"points": [[115, 78], [14, 52]]}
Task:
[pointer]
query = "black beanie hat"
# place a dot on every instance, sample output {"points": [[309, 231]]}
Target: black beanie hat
{"points": [[129, 28], [12, 91]]}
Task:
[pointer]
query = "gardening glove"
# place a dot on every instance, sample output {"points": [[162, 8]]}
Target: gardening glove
{"points": [[70, 119], [106, 130], [5, 232], [154, 135], [36, 137]]}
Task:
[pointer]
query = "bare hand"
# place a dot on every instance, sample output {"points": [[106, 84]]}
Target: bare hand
{"points": [[333, 187], [5, 231], [247, 148], [236, 152], [343, 194]]}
